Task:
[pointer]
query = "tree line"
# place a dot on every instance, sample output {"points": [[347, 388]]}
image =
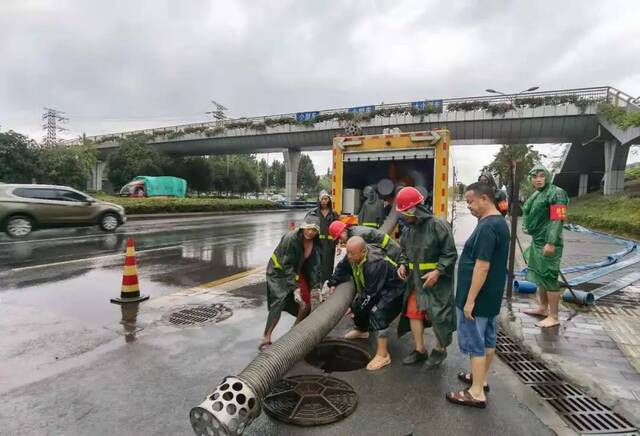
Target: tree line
{"points": [[24, 161]]}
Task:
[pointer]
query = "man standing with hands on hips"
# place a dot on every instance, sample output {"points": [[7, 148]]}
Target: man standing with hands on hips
{"points": [[481, 278]]}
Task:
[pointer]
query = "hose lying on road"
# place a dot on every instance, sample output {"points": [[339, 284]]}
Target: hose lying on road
{"points": [[237, 401]]}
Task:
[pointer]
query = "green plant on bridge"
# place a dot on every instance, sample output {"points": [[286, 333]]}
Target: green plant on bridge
{"points": [[618, 116]]}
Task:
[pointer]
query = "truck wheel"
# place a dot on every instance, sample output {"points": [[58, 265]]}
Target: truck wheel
{"points": [[109, 222], [19, 226]]}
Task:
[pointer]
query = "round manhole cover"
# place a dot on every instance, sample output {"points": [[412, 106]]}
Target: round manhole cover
{"points": [[198, 315], [339, 354], [308, 400]]}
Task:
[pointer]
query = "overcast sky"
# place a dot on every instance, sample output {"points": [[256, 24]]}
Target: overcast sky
{"points": [[122, 65]]}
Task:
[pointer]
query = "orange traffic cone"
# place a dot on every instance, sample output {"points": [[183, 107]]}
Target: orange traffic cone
{"points": [[130, 291]]}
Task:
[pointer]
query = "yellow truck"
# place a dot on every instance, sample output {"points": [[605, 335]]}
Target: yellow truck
{"points": [[419, 159]]}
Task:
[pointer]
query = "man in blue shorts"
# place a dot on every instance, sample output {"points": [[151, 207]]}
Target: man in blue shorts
{"points": [[481, 279]]}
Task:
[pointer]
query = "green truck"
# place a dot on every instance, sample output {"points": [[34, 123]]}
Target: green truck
{"points": [[160, 186]]}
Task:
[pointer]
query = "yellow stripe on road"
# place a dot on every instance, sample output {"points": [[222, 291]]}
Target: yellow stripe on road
{"points": [[229, 278]]}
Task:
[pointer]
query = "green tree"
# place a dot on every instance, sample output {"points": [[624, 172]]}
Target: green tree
{"points": [[197, 172], [134, 158], [263, 174], [526, 158], [307, 179], [70, 165], [18, 158], [325, 183], [277, 174]]}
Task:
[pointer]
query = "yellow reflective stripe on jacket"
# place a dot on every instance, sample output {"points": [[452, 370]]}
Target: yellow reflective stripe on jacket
{"points": [[424, 266], [370, 224], [385, 241], [277, 265], [275, 261], [388, 259], [326, 237]]}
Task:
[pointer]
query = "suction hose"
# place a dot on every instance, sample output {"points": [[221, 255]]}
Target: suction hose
{"points": [[237, 401]]}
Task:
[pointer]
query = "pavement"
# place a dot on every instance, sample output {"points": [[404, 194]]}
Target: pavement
{"points": [[73, 364], [597, 347]]}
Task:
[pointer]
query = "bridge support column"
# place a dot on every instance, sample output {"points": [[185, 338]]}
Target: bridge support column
{"points": [[94, 183], [291, 163], [583, 185], [615, 160]]}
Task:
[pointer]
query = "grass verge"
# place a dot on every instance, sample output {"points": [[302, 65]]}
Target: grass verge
{"points": [[182, 205], [619, 215]]}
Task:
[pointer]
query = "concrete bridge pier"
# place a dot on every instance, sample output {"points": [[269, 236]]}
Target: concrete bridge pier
{"points": [[291, 164], [615, 160], [94, 183]]}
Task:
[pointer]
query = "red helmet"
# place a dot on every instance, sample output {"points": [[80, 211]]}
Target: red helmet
{"points": [[407, 198], [336, 228]]}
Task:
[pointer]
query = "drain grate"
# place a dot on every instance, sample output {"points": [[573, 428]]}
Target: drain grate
{"points": [[198, 315], [584, 414], [309, 400]]}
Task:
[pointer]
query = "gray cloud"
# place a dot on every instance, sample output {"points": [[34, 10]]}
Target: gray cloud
{"points": [[121, 65]]}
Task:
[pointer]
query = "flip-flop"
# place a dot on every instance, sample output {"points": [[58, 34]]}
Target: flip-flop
{"points": [[378, 362], [264, 346], [462, 376], [464, 398]]}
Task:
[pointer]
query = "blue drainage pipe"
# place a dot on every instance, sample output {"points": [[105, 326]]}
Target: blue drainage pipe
{"points": [[582, 297], [524, 287]]}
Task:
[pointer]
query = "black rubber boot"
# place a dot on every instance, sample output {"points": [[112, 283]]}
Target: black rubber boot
{"points": [[415, 357], [436, 358]]}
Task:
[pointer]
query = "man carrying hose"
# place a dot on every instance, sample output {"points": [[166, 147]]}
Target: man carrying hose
{"points": [[426, 264], [378, 299], [544, 215], [294, 268], [341, 232]]}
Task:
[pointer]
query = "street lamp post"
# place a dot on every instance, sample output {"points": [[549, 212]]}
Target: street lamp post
{"points": [[512, 97]]}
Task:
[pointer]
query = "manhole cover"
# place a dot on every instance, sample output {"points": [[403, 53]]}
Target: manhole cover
{"points": [[338, 354], [198, 315], [308, 400]]}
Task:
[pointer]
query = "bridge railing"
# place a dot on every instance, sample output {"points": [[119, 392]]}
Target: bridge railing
{"points": [[594, 94]]}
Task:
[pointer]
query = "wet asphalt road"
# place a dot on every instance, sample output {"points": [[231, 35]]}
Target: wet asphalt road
{"points": [[71, 363]]}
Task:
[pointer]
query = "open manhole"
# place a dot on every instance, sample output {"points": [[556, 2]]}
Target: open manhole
{"points": [[308, 400], [338, 354], [198, 315]]}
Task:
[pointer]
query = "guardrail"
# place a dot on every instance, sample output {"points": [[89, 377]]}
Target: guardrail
{"points": [[594, 94]]}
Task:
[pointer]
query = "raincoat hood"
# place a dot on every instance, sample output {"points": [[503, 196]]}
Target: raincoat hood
{"points": [[323, 194], [311, 222], [547, 175], [422, 212], [489, 177], [370, 194]]}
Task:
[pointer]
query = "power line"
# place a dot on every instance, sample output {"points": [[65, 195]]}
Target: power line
{"points": [[52, 118], [217, 114]]}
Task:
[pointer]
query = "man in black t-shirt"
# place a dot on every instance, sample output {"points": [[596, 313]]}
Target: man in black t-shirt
{"points": [[482, 270]]}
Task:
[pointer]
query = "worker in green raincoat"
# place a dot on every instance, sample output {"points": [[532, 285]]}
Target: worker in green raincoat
{"points": [[292, 271], [372, 212], [544, 215], [325, 215], [341, 232], [427, 264]]}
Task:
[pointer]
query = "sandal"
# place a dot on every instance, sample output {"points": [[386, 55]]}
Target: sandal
{"points": [[468, 378], [464, 398], [264, 346], [378, 362]]}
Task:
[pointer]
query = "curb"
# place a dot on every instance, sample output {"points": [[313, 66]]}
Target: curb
{"points": [[568, 371], [152, 216]]}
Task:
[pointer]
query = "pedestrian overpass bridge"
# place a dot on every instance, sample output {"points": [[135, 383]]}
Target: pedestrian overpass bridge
{"points": [[598, 148]]}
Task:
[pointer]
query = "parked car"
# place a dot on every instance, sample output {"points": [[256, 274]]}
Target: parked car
{"points": [[24, 208]]}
